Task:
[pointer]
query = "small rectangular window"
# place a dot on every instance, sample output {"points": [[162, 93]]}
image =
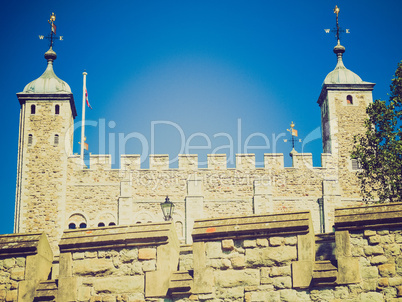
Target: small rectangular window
{"points": [[56, 139], [30, 138], [356, 165]]}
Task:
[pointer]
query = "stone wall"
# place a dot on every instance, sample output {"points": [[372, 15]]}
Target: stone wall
{"points": [[132, 195], [25, 261], [117, 263], [12, 270], [275, 257], [45, 141]]}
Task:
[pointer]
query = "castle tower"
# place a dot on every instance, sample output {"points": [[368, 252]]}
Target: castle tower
{"points": [[45, 141], [343, 101]]}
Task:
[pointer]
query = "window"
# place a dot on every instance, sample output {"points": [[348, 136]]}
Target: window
{"points": [[30, 139], [77, 220], [101, 224], [56, 139], [57, 109], [33, 109], [356, 165], [111, 224], [349, 100]]}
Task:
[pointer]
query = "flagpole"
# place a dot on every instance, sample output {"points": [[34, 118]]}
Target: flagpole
{"points": [[83, 119]]}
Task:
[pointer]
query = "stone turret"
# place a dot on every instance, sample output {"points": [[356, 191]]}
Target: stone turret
{"points": [[343, 101], [45, 141]]}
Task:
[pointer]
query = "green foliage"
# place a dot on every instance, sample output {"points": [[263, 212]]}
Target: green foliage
{"points": [[379, 150]]}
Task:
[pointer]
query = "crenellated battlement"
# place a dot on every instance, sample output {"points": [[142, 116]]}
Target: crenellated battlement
{"points": [[161, 162]]}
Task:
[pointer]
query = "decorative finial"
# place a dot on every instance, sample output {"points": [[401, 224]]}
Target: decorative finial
{"points": [[293, 133], [336, 11], [52, 36], [337, 30]]}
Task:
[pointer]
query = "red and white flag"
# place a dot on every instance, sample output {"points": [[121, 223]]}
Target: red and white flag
{"points": [[86, 98]]}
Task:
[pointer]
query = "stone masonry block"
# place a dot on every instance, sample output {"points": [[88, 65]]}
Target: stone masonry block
{"points": [[387, 270], [158, 161], [348, 270], [100, 161], [233, 278], [194, 186], [216, 161], [130, 161], [301, 160], [146, 254], [120, 284], [263, 242], [302, 273], [213, 249], [188, 161], [227, 244], [245, 161], [273, 161]]}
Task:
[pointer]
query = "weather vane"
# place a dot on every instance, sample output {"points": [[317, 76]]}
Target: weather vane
{"points": [[52, 36], [338, 30], [293, 132]]}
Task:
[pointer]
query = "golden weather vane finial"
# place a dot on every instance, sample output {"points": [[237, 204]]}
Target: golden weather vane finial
{"points": [[336, 10], [52, 36], [337, 30]]}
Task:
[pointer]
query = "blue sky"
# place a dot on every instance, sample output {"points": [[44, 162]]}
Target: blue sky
{"points": [[201, 70]]}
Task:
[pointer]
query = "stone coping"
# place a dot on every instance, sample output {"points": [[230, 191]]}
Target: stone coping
{"points": [[118, 237], [373, 216], [252, 226], [22, 244]]}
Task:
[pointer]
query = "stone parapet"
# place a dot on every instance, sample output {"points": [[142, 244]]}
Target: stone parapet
{"points": [[245, 161], [188, 161], [137, 261], [130, 161], [251, 226], [158, 161], [216, 161], [118, 237], [273, 161], [25, 261], [100, 161], [375, 216], [302, 160]]}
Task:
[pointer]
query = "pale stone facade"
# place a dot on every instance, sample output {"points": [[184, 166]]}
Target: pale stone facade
{"points": [[55, 192]]}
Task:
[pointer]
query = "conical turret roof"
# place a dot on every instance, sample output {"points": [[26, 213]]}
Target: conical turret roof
{"points": [[48, 82], [341, 75]]}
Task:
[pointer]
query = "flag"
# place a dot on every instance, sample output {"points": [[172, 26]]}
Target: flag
{"points": [[86, 98], [86, 146], [53, 28], [294, 132]]}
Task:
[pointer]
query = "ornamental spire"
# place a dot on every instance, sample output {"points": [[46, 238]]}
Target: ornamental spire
{"points": [[52, 36], [337, 30]]}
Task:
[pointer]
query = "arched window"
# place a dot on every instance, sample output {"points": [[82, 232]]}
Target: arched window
{"points": [[101, 224], [111, 224], [33, 109], [56, 139], [77, 220], [30, 139], [349, 100], [57, 109], [72, 226]]}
